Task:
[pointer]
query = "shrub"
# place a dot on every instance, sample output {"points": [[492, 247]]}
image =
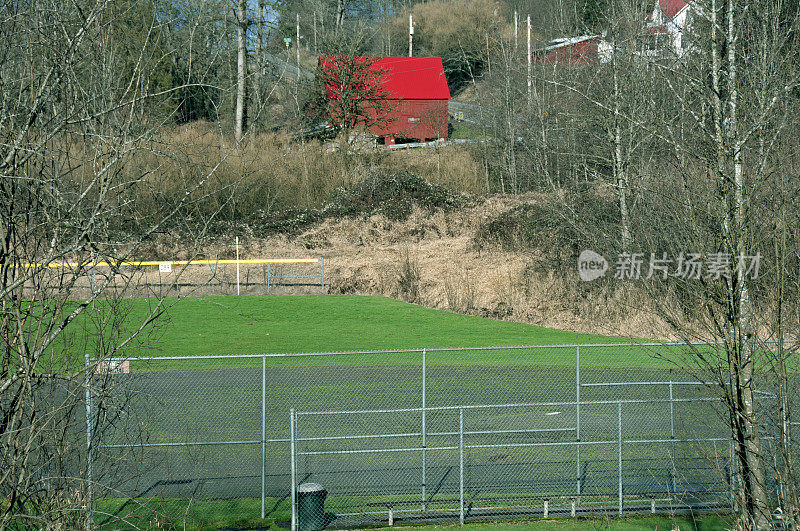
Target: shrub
{"points": [[392, 194], [559, 226]]}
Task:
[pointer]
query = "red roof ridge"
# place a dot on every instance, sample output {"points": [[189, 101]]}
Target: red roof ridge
{"points": [[408, 78]]}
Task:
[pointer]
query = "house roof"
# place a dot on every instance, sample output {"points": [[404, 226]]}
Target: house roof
{"points": [[670, 8], [569, 41], [407, 78]]}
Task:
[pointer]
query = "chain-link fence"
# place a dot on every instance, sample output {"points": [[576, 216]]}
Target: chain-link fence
{"points": [[192, 278], [414, 435]]}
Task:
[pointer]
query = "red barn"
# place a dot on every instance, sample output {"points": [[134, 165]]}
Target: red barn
{"points": [[400, 97]]}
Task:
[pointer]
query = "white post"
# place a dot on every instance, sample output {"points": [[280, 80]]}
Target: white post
{"points": [[410, 35], [237, 265], [516, 25]]}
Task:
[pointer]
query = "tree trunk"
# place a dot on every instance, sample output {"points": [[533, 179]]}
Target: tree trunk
{"points": [[259, 59], [241, 83], [620, 169], [340, 5], [740, 337]]}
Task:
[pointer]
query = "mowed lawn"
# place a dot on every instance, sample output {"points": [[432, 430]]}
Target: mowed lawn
{"points": [[229, 326], [324, 323]]}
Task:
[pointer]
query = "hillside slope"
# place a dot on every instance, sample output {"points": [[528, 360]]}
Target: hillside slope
{"points": [[434, 259]]}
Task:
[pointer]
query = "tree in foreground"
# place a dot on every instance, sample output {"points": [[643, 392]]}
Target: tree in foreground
{"points": [[82, 180]]}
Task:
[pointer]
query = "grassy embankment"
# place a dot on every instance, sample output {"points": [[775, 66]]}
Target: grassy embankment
{"points": [[330, 323]]}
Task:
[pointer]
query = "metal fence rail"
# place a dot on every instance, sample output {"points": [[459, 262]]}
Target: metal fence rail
{"points": [[417, 434], [260, 276]]}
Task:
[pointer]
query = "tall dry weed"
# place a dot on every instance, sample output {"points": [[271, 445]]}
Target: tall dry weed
{"points": [[268, 172]]}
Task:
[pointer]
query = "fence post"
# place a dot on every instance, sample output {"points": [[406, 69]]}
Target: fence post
{"points": [[293, 466], [619, 452], [578, 418], [672, 436], [263, 432], [424, 428], [322, 267], [237, 266], [267, 277], [89, 446], [461, 465]]}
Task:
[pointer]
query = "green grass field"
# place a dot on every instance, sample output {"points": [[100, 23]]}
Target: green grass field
{"points": [[228, 325], [323, 323]]}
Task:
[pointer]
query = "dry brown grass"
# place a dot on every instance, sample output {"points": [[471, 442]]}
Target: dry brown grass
{"points": [[270, 172], [453, 167], [431, 259]]}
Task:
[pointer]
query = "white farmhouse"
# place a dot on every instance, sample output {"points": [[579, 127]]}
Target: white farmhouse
{"points": [[669, 21]]}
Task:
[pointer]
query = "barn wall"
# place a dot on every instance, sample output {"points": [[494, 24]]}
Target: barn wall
{"points": [[420, 119]]}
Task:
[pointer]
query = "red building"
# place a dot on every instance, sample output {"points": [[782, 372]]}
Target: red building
{"points": [[400, 97], [586, 49]]}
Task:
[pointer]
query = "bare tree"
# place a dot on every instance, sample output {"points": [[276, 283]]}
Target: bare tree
{"points": [[80, 183], [348, 89], [716, 134]]}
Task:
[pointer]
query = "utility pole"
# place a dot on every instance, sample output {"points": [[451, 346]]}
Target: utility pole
{"points": [[529, 61], [315, 32], [298, 46], [410, 35], [516, 25], [297, 81]]}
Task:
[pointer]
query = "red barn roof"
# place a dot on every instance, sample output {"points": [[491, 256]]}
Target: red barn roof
{"points": [[406, 78]]}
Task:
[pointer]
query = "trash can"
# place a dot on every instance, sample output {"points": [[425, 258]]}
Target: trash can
{"points": [[311, 506]]}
